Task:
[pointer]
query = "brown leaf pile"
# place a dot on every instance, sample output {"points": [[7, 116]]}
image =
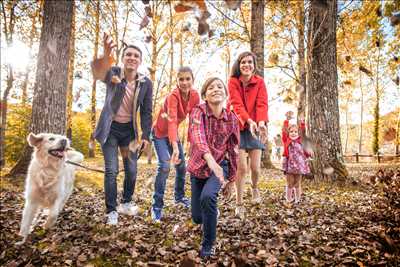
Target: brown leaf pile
{"points": [[331, 226]]}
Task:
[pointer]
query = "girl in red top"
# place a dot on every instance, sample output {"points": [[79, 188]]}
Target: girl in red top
{"points": [[178, 104], [294, 162], [249, 100]]}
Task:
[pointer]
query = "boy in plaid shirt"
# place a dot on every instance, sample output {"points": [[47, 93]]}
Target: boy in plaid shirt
{"points": [[214, 139]]}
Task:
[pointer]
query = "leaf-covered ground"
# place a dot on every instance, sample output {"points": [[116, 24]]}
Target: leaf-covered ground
{"points": [[333, 225]]}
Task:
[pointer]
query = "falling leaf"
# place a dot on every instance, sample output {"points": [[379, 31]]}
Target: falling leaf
{"points": [[147, 9], [347, 82], [365, 70], [203, 27], [233, 4], [147, 39], [274, 58], [395, 19], [186, 27], [145, 21], [389, 134]]}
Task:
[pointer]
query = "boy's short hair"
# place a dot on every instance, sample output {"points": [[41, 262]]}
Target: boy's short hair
{"points": [[131, 46], [207, 83]]}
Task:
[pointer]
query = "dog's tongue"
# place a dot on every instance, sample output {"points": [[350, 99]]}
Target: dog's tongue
{"points": [[60, 153]]}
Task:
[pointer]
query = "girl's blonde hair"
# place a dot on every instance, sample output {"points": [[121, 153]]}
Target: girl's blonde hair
{"points": [[293, 125]]}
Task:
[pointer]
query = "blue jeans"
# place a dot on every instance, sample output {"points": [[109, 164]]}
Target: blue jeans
{"points": [[164, 151], [204, 204], [120, 135]]}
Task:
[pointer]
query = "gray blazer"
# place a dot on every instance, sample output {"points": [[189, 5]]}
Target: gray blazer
{"points": [[114, 95]]}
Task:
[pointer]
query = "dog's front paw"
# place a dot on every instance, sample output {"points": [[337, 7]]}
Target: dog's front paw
{"points": [[20, 243]]}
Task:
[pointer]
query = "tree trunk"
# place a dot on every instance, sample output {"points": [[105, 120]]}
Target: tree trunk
{"points": [[375, 136], [49, 99], [71, 69], [3, 108], [24, 86], [257, 33], [322, 93], [361, 117], [347, 127], [181, 51], [257, 47], [171, 21], [8, 29], [302, 84], [92, 142], [32, 35], [397, 152]]}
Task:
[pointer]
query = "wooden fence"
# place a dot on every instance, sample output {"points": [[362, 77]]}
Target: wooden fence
{"points": [[378, 157]]}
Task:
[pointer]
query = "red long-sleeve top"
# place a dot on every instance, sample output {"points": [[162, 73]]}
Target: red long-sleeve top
{"points": [[250, 101], [285, 135], [173, 112]]}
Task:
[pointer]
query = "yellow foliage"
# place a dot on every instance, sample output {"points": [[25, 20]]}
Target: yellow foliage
{"points": [[81, 131], [18, 121]]}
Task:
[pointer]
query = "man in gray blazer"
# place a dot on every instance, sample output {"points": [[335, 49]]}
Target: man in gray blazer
{"points": [[128, 93]]}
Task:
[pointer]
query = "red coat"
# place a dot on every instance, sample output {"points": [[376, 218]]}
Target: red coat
{"points": [[250, 101], [173, 112]]}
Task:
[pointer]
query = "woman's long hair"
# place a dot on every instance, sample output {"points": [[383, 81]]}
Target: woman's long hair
{"points": [[235, 72]]}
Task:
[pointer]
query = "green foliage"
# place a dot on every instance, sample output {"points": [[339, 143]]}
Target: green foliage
{"points": [[18, 121]]}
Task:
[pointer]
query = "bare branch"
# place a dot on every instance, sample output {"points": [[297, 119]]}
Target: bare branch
{"points": [[244, 21], [223, 14]]}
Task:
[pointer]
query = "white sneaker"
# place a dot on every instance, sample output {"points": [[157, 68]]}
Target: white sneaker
{"points": [[112, 218], [128, 209]]}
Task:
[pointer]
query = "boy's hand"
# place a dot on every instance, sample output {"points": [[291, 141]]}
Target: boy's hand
{"points": [[109, 46], [175, 154], [227, 190]]}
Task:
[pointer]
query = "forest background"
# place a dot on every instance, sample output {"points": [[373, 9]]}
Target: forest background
{"points": [[367, 61]]}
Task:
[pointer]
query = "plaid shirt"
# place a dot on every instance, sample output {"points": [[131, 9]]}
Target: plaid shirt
{"points": [[218, 136]]}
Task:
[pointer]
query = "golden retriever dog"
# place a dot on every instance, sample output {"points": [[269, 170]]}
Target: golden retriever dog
{"points": [[50, 180]]}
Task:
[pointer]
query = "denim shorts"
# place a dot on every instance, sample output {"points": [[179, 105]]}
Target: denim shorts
{"points": [[249, 142], [123, 132]]}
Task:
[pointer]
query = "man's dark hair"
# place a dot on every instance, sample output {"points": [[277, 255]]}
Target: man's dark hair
{"points": [[131, 46]]}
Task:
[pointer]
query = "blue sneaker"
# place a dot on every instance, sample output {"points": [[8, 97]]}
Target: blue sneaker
{"points": [[156, 215], [207, 252], [184, 202]]}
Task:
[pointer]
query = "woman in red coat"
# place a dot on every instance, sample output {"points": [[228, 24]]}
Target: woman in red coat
{"points": [[249, 100]]}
